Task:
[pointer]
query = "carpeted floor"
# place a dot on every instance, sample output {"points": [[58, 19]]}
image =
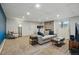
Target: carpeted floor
{"points": [[21, 46]]}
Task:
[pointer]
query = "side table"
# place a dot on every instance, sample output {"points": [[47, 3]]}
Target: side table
{"points": [[33, 40]]}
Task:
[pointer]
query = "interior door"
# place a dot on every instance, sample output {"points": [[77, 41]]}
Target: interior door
{"points": [[19, 31]]}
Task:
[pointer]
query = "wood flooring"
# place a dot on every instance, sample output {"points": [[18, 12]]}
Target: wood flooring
{"points": [[21, 46]]}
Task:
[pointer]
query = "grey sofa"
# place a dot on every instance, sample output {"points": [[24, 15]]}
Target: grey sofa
{"points": [[44, 39]]}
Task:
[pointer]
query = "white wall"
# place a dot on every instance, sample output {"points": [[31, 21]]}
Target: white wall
{"points": [[61, 32], [73, 20], [31, 27], [11, 25], [28, 28], [70, 29]]}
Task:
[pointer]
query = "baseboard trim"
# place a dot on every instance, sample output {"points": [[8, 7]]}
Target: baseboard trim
{"points": [[2, 44]]}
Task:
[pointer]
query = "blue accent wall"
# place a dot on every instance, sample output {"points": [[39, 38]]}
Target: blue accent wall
{"points": [[2, 25]]}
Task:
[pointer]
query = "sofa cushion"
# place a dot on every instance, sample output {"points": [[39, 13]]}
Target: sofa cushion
{"points": [[48, 36], [39, 33]]}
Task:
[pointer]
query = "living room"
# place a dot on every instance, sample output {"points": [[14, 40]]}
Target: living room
{"points": [[38, 29]]}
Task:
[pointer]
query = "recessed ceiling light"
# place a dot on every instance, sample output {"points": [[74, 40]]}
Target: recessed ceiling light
{"points": [[37, 5], [28, 13], [58, 15], [20, 25]]}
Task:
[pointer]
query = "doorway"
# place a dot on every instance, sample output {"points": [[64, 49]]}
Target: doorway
{"points": [[20, 31]]}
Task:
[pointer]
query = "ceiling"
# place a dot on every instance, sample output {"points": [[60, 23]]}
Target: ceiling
{"points": [[47, 11]]}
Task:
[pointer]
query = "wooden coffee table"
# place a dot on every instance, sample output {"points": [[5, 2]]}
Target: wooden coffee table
{"points": [[58, 41]]}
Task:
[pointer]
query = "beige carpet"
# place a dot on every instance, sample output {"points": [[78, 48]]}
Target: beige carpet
{"points": [[21, 46]]}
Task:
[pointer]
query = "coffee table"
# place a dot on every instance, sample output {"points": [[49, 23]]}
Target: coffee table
{"points": [[59, 41]]}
